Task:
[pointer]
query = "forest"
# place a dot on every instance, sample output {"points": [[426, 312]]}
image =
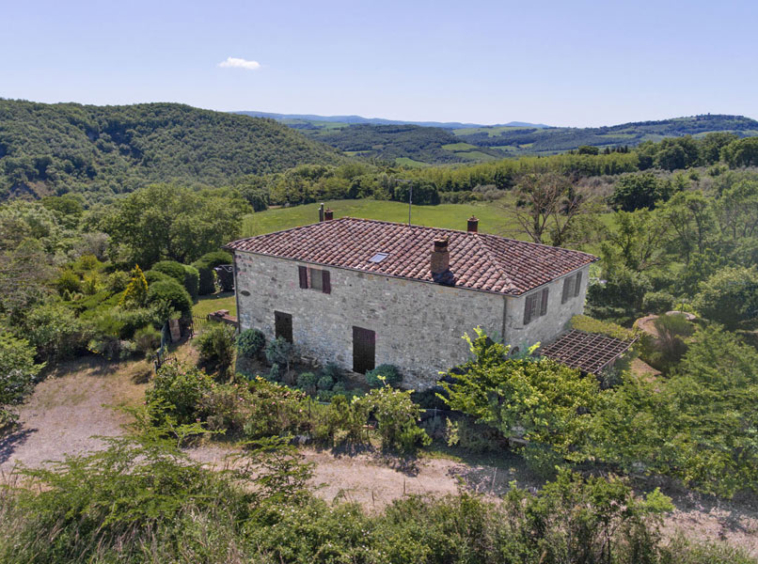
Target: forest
{"points": [[118, 234]]}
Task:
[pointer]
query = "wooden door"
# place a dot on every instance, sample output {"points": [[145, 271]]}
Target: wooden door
{"points": [[283, 325], [364, 350]]}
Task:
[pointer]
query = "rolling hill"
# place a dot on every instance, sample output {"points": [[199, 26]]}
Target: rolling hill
{"points": [[104, 150], [419, 145]]}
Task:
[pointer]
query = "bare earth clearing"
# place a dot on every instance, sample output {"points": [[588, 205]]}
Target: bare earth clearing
{"points": [[70, 407]]}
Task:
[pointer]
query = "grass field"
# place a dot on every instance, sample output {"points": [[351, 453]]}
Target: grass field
{"points": [[492, 216], [209, 304]]}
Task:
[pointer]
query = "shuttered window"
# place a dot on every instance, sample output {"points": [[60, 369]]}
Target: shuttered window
{"points": [[315, 279], [571, 287], [536, 305]]}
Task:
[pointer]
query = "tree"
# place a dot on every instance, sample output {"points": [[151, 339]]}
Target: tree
{"points": [[17, 373], [730, 297], [742, 153], [552, 210], [540, 401], [164, 221], [635, 191], [637, 241], [691, 219]]}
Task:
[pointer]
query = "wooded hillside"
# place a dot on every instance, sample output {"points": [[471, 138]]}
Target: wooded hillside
{"points": [[50, 149]]}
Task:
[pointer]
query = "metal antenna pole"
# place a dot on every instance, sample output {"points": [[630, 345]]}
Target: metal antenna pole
{"points": [[410, 202]]}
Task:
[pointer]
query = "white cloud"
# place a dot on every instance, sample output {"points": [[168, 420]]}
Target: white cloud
{"points": [[235, 63]]}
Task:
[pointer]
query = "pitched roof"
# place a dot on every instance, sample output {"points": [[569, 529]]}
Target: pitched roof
{"points": [[589, 352], [478, 261]]}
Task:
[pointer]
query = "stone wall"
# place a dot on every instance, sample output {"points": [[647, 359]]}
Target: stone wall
{"points": [[418, 325], [546, 328]]}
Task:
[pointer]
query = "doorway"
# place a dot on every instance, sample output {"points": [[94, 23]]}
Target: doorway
{"points": [[283, 326], [364, 350]]}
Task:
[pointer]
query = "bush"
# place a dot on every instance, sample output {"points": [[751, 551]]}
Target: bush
{"points": [[280, 352], [216, 346], [117, 281], [172, 294], [68, 283], [275, 374], [397, 416], [325, 383], [205, 266], [334, 371], [657, 302], [384, 375], [307, 382], [730, 297], [170, 268], [147, 340], [191, 281], [177, 391], [277, 410], [153, 276], [55, 332], [250, 343], [18, 373]]}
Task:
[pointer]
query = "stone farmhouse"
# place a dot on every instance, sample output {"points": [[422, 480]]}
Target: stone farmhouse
{"points": [[362, 293]]}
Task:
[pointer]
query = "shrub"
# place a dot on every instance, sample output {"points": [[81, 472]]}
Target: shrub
{"points": [[658, 302], [171, 293], [55, 332], [280, 352], [277, 410], [205, 266], [147, 340], [68, 283], [307, 382], [668, 349], [397, 416], [117, 281], [18, 373], [383, 375], [170, 268], [216, 346], [177, 391], [325, 383], [153, 276], [111, 347], [334, 371], [250, 343], [206, 278], [325, 395], [136, 293], [275, 374], [730, 297], [191, 281]]}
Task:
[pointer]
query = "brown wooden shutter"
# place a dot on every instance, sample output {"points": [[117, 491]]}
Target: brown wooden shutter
{"points": [[566, 289], [543, 307], [326, 282], [528, 310], [577, 284], [303, 276]]}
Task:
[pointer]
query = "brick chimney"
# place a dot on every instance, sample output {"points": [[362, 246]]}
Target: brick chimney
{"points": [[440, 263], [328, 215], [473, 224]]}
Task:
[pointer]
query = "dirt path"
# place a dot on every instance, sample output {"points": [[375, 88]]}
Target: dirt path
{"points": [[65, 412]]}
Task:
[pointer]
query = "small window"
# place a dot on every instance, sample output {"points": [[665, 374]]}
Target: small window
{"points": [[315, 279], [572, 285], [378, 257], [536, 305]]}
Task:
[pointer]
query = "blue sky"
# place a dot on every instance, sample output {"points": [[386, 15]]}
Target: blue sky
{"points": [[562, 63]]}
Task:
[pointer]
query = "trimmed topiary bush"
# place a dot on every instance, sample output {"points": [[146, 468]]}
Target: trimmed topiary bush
{"points": [[384, 374], [191, 281], [250, 343], [152, 276], [171, 268], [171, 292], [205, 266]]}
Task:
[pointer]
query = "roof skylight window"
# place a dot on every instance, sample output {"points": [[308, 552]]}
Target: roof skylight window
{"points": [[378, 257]]}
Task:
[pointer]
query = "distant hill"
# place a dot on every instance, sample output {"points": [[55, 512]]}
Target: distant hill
{"points": [[320, 121], [416, 145], [106, 150], [526, 140]]}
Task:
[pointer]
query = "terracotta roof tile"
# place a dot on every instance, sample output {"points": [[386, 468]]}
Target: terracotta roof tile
{"points": [[477, 260]]}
